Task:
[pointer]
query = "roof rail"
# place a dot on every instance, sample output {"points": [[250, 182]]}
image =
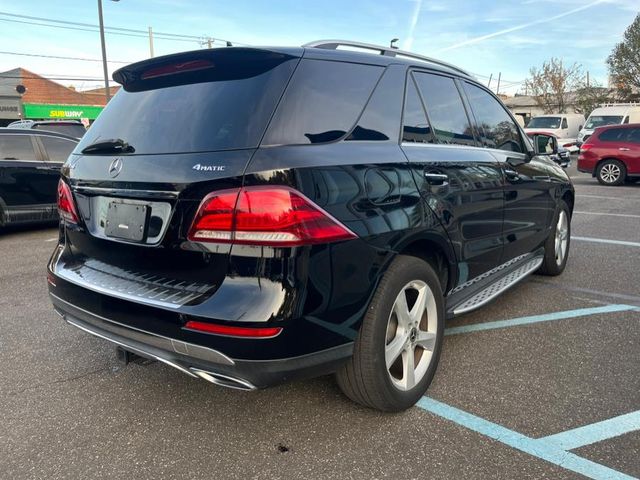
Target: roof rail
{"points": [[628, 104], [387, 51]]}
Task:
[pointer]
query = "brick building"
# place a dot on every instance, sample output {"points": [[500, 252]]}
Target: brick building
{"points": [[44, 99]]}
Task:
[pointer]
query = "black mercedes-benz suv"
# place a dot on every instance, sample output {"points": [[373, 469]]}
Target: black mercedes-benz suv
{"points": [[254, 215]]}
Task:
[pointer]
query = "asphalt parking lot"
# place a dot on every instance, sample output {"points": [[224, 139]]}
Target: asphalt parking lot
{"points": [[552, 390]]}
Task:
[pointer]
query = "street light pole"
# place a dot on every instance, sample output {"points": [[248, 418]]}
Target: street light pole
{"points": [[107, 93]]}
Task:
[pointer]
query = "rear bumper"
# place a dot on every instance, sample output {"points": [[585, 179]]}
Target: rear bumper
{"points": [[203, 362]]}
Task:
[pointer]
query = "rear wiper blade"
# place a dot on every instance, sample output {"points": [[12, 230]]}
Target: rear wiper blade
{"points": [[116, 145]]}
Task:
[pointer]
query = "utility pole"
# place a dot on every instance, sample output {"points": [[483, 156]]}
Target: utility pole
{"points": [[107, 93], [587, 78], [489, 83], [208, 43], [498, 88], [151, 42]]}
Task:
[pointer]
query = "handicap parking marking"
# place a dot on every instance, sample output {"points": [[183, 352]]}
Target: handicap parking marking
{"points": [[538, 448], [547, 317], [606, 240], [595, 432]]}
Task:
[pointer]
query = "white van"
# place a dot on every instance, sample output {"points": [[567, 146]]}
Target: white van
{"points": [[613, 114], [564, 126]]}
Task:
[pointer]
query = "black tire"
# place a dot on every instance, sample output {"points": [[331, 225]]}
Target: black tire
{"points": [[365, 378], [611, 173], [551, 266]]}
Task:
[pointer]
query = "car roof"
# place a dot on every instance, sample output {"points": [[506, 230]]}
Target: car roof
{"points": [[621, 110], [29, 131], [619, 125]]}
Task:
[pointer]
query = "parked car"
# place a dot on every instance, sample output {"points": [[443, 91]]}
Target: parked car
{"points": [[549, 144], [564, 126], [30, 164], [72, 128], [615, 114], [612, 154], [278, 213]]}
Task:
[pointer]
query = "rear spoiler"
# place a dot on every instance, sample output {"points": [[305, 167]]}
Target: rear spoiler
{"points": [[199, 66]]}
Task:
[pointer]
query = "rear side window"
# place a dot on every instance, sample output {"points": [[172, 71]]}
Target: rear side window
{"points": [[497, 129], [415, 126], [16, 147], [229, 112], [322, 103], [564, 123], [58, 149], [614, 135], [445, 109]]}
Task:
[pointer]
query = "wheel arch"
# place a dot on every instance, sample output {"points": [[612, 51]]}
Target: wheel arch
{"points": [[601, 161], [437, 252]]}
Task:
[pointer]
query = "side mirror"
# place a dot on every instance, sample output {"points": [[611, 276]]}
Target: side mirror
{"points": [[545, 144]]}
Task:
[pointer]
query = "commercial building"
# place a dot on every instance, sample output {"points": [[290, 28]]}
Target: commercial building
{"points": [[27, 95]]}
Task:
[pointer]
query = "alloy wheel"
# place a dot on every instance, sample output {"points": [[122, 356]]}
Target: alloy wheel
{"points": [[610, 173], [411, 335], [562, 237]]}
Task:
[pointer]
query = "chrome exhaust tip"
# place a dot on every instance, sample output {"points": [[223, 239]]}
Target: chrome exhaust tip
{"points": [[223, 380]]}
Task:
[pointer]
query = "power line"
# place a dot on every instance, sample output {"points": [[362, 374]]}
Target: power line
{"points": [[60, 57], [112, 30]]}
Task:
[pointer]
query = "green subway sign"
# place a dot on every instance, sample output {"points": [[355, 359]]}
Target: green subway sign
{"points": [[43, 110]]}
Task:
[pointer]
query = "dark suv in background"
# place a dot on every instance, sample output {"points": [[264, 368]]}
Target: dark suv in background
{"points": [[71, 128], [30, 164], [254, 215]]}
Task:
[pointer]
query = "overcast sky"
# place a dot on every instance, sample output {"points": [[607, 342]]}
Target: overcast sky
{"points": [[484, 37]]}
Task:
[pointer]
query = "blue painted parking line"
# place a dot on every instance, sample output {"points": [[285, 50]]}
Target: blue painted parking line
{"points": [[535, 447], [547, 317], [605, 240], [596, 432]]}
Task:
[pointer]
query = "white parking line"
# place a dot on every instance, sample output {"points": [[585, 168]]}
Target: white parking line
{"points": [[51, 239], [606, 198], [609, 214], [604, 240]]}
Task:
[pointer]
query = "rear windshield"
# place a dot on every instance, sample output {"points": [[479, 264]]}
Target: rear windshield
{"points": [[68, 129], [596, 121], [544, 122], [196, 117]]}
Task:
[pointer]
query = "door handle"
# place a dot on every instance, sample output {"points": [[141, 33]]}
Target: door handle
{"points": [[436, 178], [624, 149]]}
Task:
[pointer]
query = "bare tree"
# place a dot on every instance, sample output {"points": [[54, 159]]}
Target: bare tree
{"points": [[551, 84], [624, 61]]}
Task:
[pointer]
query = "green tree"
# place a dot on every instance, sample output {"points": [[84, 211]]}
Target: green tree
{"points": [[550, 85], [624, 61]]}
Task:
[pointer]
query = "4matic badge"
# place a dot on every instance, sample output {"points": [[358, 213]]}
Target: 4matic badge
{"points": [[209, 168]]}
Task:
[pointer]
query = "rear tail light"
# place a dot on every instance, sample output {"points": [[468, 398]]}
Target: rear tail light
{"points": [[267, 216], [231, 331], [585, 146], [66, 206], [567, 145]]}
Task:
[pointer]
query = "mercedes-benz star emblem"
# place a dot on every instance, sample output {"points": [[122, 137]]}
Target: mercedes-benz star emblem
{"points": [[115, 168]]}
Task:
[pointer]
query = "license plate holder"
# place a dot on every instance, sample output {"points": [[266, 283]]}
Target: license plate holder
{"points": [[127, 221]]}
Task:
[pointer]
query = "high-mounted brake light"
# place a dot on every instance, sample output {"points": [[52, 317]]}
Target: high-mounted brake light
{"points": [[182, 67], [231, 331], [273, 216], [66, 206]]}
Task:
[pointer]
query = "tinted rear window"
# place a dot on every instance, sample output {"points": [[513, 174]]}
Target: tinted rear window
{"points": [[76, 131], [58, 149], [194, 117], [322, 102]]}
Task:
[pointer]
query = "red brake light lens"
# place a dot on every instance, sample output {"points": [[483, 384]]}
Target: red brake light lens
{"points": [[274, 216], [585, 146], [66, 206], [174, 68], [231, 331]]}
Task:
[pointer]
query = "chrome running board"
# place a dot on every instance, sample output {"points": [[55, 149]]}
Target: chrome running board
{"points": [[505, 279]]}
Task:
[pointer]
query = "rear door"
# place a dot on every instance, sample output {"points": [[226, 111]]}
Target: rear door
{"points": [[461, 183], [24, 184], [529, 202], [56, 150]]}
